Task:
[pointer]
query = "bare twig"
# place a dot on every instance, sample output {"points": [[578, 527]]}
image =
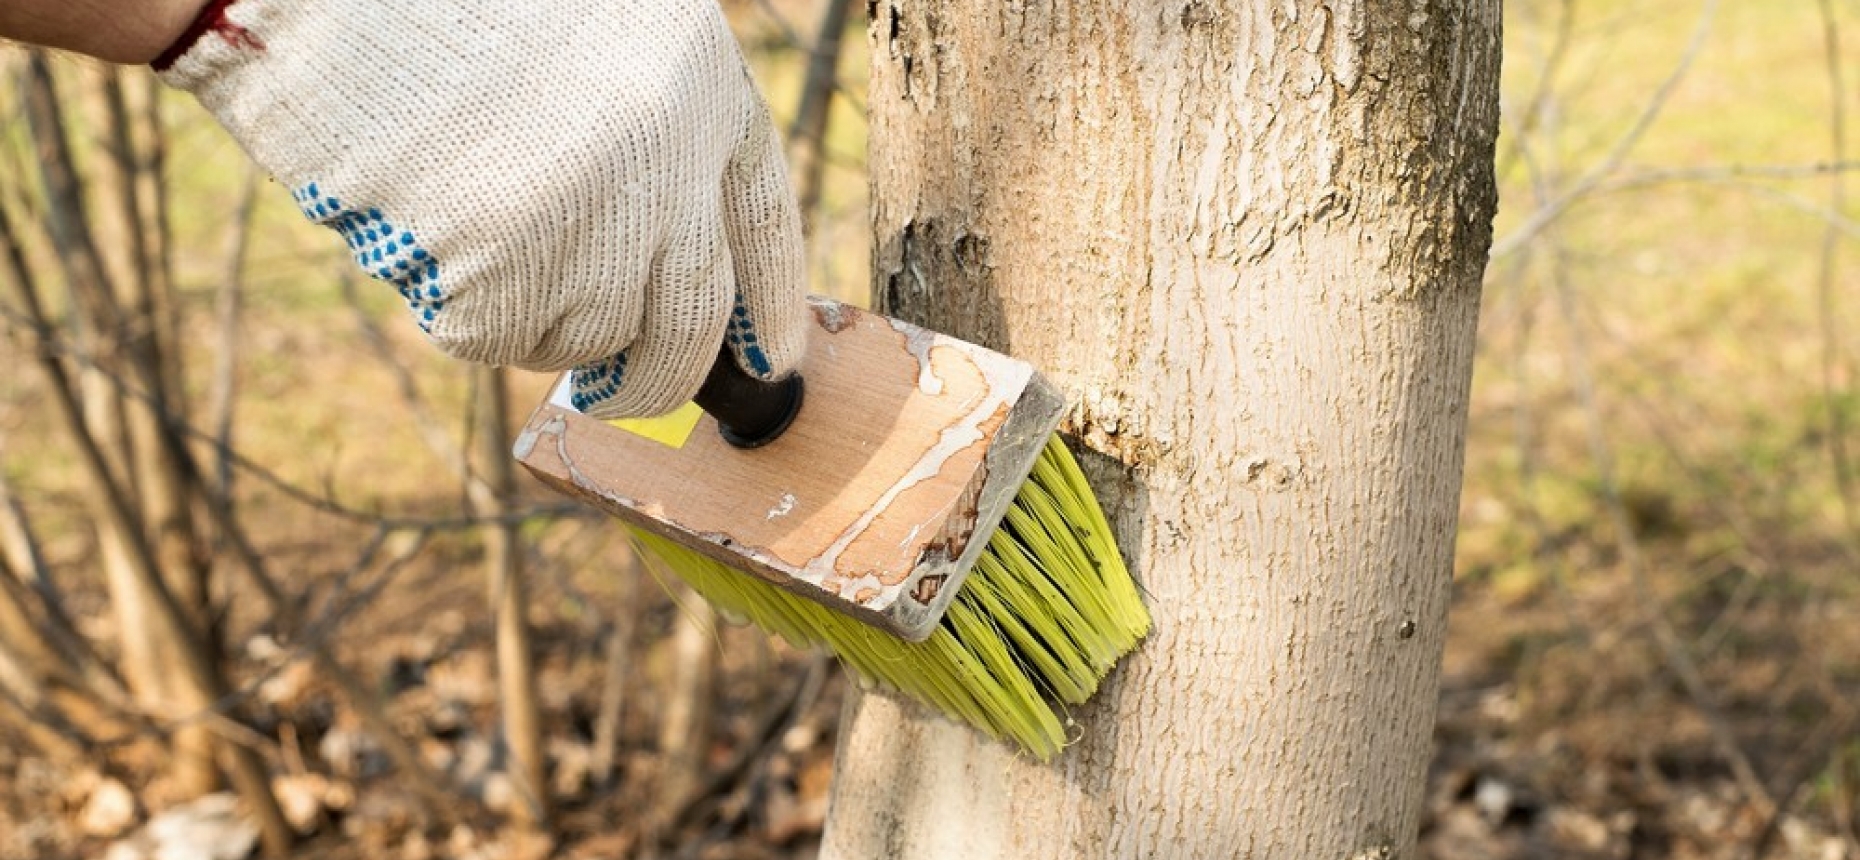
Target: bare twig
{"points": [[807, 135], [158, 225], [522, 715], [1677, 657], [166, 512], [286, 617], [43, 728], [684, 718], [162, 569], [1833, 732], [1526, 425], [219, 414], [446, 805], [51, 643], [31, 653], [432, 432], [619, 657], [792, 38], [198, 681], [19, 551], [1826, 739], [1833, 361], [1544, 94], [66, 220], [119, 143], [52, 345], [1722, 172], [1549, 212], [756, 748]]}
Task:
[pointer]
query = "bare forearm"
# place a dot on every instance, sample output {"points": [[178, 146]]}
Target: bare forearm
{"points": [[121, 31]]}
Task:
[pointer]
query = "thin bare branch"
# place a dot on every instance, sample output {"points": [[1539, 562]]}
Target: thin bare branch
{"points": [[1743, 179], [1833, 359], [226, 311], [807, 135], [432, 431], [792, 38], [1549, 212], [198, 682], [756, 748], [1544, 93], [685, 713], [52, 627], [516, 677], [41, 726], [66, 221], [1677, 656], [158, 225], [51, 344], [1526, 426], [125, 168], [618, 658]]}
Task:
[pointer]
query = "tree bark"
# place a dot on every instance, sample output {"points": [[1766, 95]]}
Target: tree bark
{"points": [[1247, 240]]}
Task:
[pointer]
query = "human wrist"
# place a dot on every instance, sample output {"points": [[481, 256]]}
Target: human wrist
{"points": [[190, 19], [139, 37], [133, 37], [110, 30], [168, 21]]}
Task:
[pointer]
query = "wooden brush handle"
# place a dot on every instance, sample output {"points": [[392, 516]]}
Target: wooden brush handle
{"points": [[750, 413]]}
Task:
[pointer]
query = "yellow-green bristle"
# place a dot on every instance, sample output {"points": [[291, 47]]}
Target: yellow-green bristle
{"points": [[1044, 614]]}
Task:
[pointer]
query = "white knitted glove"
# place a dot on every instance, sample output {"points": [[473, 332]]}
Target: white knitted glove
{"points": [[591, 184]]}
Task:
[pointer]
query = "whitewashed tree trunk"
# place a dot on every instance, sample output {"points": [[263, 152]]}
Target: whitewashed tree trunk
{"points": [[1246, 238]]}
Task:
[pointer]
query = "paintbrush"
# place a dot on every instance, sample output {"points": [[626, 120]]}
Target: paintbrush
{"points": [[903, 502]]}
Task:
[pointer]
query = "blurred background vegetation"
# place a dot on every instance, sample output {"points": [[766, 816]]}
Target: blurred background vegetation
{"points": [[1655, 645]]}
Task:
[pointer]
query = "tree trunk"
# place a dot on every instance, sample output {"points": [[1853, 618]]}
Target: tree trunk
{"points": [[162, 496], [1247, 240], [503, 556], [127, 430], [685, 709], [189, 683], [610, 720]]}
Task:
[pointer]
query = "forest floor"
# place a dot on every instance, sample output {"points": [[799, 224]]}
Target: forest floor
{"points": [[1544, 750]]}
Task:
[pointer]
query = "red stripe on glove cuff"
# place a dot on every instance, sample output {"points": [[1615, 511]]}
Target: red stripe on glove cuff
{"points": [[212, 18]]}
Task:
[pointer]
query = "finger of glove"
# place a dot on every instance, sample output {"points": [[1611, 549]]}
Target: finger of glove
{"points": [[768, 320], [687, 301], [574, 296]]}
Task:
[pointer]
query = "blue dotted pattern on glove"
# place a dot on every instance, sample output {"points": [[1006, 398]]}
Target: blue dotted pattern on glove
{"points": [[386, 252], [597, 381], [741, 335]]}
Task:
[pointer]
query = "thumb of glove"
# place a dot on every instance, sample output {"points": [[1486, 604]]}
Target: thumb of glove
{"points": [[768, 323]]}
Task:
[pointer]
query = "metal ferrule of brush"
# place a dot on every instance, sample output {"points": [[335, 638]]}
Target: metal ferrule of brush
{"points": [[750, 413]]}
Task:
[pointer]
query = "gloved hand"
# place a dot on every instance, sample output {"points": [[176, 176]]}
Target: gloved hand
{"points": [[591, 184]]}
